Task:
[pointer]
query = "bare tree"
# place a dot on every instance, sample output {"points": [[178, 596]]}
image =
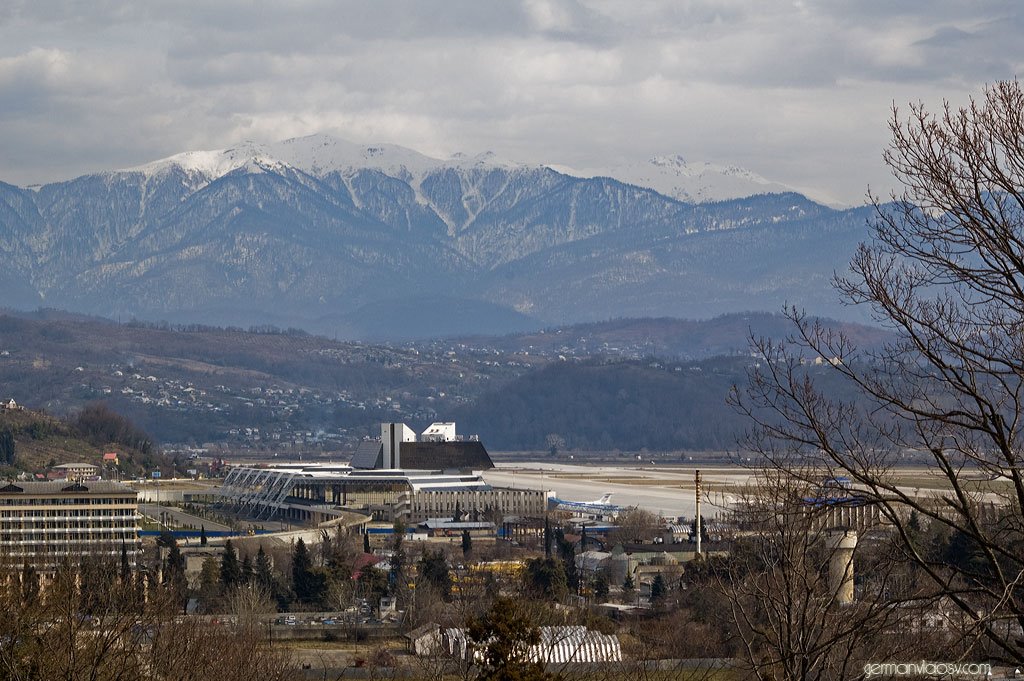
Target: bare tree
{"points": [[789, 588], [87, 623], [944, 273], [63, 630], [193, 650], [249, 602], [635, 524]]}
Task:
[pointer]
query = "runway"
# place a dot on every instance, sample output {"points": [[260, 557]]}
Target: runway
{"points": [[665, 490]]}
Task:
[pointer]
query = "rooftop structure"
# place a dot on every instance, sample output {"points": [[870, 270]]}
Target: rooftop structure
{"points": [[439, 432], [439, 450]]}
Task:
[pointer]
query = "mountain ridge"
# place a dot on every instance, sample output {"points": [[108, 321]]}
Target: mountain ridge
{"points": [[266, 238]]}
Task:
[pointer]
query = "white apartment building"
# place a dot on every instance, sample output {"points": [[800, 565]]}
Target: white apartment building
{"points": [[418, 505], [46, 524], [75, 471]]}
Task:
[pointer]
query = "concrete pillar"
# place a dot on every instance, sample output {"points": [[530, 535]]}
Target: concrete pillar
{"points": [[841, 544]]}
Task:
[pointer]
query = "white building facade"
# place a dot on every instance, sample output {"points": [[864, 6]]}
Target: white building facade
{"points": [[46, 524]]}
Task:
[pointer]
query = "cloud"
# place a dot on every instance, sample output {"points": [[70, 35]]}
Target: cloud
{"points": [[798, 92]]}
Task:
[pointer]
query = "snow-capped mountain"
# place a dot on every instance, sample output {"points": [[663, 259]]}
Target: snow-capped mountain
{"points": [[697, 182], [341, 237], [317, 155]]}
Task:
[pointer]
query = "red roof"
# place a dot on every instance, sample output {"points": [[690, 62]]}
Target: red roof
{"points": [[363, 561]]}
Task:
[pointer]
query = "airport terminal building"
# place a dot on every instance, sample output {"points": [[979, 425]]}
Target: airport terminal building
{"points": [[397, 477]]}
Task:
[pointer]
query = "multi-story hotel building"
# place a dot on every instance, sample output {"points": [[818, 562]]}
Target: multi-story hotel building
{"points": [[46, 524]]}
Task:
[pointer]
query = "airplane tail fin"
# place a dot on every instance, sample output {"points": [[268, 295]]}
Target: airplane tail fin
{"points": [[605, 499]]}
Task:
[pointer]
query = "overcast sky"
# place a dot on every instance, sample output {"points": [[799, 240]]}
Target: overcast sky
{"points": [[799, 92]]}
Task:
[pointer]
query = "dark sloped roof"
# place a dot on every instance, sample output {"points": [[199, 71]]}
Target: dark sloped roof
{"points": [[369, 454], [428, 628], [64, 487], [446, 456]]}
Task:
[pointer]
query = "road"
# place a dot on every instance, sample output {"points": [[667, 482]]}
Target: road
{"points": [[182, 518]]}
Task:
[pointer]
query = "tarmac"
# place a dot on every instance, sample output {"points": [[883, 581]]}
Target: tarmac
{"points": [[664, 490]]}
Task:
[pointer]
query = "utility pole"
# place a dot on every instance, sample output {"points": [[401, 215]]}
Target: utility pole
{"points": [[696, 488]]}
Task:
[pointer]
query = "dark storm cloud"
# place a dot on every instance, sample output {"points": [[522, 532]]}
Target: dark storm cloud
{"points": [[797, 91]]}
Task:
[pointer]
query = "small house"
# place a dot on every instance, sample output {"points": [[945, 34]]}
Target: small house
{"points": [[424, 640]]}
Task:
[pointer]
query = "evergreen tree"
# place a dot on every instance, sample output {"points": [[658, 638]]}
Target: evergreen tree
{"points": [[658, 590], [397, 576], [467, 543], [126, 571], [308, 583], [457, 516], [339, 562], [230, 571], [263, 570], [29, 584], [502, 636], [374, 584], [266, 579], [547, 537], [202, 535], [545, 578], [628, 589], [301, 565], [567, 553], [601, 587], [166, 538], [209, 585], [7, 447], [175, 562], [366, 543], [248, 572], [434, 571], [174, 575]]}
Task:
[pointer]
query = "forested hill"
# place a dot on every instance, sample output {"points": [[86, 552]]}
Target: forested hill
{"points": [[599, 386], [32, 441], [665, 337], [600, 405], [625, 405]]}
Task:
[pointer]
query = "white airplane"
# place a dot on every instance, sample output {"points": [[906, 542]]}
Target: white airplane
{"points": [[602, 505]]}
